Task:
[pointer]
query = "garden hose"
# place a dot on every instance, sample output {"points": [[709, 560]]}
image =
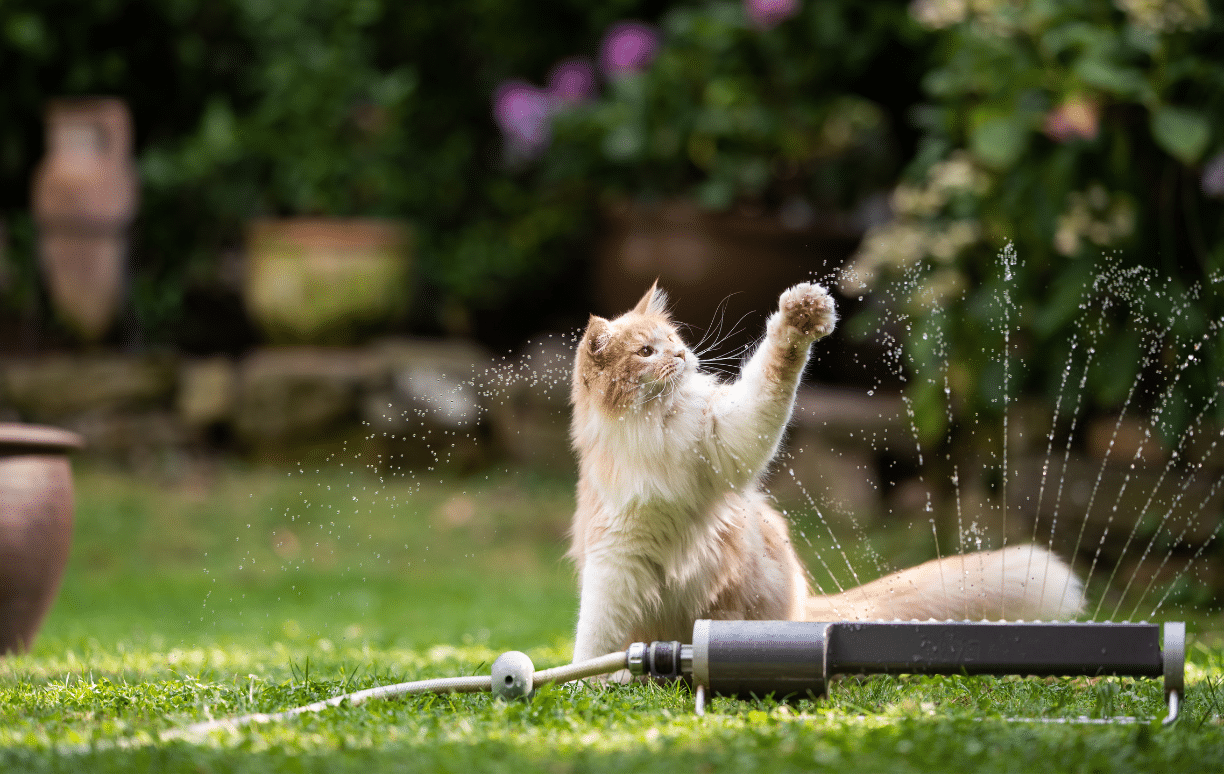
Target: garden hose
{"points": [[513, 676]]}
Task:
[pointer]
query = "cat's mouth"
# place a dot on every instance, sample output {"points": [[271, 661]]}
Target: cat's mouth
{"points": [[665, 379]]}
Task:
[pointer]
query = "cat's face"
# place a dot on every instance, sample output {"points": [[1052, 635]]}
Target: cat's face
{"points": [[633, 360]]}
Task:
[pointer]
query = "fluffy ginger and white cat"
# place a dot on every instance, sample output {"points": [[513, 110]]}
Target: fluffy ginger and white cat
{"points": [[671, 522]]}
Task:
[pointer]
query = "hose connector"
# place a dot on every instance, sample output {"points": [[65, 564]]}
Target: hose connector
{"points": [[660, 660], [635, 658]]}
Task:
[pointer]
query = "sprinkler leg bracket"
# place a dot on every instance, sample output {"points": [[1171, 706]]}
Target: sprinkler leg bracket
{"points": [[1173, 655]]}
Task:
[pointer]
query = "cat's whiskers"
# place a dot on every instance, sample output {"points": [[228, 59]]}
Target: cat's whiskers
{"points": [[720, 315], [712, 345], [671, 388], [724, 365], [724, 359], [667, 384], [701, 351], [729, 363]]}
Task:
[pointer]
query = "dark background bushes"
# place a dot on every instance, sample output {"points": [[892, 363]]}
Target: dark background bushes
{"points": [[254, 108]]}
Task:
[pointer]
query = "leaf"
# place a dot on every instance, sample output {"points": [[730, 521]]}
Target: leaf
{"points": [[27, 33], [715, 194], [624, 142], [1119, 357], [1062, 302], [929, 404], [999, 142], [1124, 81], [1182, 132]]}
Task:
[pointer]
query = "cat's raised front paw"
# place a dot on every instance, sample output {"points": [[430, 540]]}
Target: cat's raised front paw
{"points": [[808, 308]]}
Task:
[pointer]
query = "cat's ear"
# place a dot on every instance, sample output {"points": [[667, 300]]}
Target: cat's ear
{"points": [[654, 302], [596, 338]]}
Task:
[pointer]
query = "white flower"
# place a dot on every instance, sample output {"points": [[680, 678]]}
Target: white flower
{"points": [[1166, 15], [1095, 215]]}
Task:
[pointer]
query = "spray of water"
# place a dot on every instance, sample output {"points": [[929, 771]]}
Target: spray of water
{"points": [[1169, 519]]}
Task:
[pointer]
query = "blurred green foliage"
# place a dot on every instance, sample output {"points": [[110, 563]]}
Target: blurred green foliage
{"points": [[729, 113], [1070, 129], [1077, 131]]}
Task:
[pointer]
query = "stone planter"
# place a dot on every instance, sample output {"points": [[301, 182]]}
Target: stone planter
{"points": [[326, 281], [35, 526], [708, 258], [84, 199]]}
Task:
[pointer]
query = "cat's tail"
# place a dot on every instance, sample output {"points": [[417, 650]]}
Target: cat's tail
{"points": [[1020, 583]]}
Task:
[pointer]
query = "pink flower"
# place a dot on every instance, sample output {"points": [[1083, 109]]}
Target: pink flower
{"points": [[1075, 118], [522, 111], [767, 14], [1213, 177], [572, 81], [629, 47]]}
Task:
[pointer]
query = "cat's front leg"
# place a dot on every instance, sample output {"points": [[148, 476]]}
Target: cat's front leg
{"points": [[747, 417], [610, 608]]}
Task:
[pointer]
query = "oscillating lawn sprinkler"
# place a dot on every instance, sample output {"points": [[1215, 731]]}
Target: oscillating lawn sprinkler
{"points": [[788, 659], [796, 659]]}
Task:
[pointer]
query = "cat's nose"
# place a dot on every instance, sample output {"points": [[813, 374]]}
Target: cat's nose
{"points": [[680, 354]]}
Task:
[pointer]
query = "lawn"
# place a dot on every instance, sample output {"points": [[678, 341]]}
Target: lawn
{"points": [[225, 590]]}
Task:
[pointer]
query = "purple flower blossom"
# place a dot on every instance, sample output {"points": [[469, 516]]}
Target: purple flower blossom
{"points": [[572, 81], [767, 14], [522, 111], [1213, 177], [629, 47]]}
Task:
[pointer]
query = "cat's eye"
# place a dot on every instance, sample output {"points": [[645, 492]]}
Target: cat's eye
{"points": [[646, 351]]}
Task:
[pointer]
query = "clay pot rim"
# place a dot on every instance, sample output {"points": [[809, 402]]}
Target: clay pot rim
{"points": [[36, 437], [352, 233]]}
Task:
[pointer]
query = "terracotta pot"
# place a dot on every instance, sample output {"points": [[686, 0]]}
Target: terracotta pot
{"points": [[326, 281], [707, 259], [84, 199], [35, 526]]}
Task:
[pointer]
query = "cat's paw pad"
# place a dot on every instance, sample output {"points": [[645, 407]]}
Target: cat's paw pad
{"points": [[808, 308]]}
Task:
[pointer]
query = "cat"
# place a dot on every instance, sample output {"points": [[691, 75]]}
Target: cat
{"points": [[672, 525]]}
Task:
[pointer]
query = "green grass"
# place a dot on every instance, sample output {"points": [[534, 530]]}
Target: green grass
{"points": [[253, 557], [227, 591]]}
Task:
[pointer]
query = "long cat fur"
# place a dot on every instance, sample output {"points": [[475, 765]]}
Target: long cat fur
{"points": [[671, 523]]}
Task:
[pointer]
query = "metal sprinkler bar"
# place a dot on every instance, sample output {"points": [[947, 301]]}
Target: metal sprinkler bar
{"points": [[788, 658]]}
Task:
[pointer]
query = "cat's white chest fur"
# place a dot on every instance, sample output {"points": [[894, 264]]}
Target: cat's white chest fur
{"points": [[650, 457]]}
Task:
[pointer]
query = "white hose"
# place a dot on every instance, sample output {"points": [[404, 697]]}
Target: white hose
{"points": [[475, 684], [597, 666]]}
